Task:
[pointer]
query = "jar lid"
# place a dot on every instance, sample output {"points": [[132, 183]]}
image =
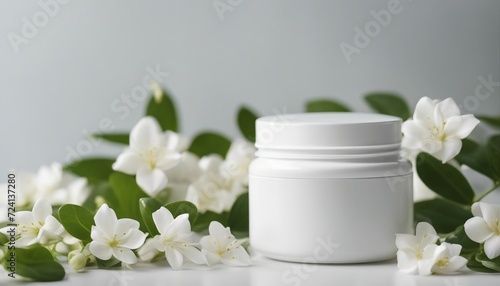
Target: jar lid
{"points": [[327, 130]]}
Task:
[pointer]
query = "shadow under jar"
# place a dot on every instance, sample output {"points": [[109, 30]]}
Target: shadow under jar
{"points": [[329, 188]]}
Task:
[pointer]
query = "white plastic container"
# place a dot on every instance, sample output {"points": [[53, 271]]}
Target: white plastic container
{"points": [[329, 188]]}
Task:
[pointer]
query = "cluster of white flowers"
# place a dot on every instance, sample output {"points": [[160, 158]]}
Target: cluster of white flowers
{"points": [[113, 237], [419, 254], [161, 162], [51, 183]]}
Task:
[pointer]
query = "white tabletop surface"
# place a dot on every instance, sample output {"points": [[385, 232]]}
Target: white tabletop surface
{"points": [[263, 271]]}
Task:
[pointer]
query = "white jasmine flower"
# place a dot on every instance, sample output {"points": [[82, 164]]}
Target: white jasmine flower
{"points": [[175, 238], [238, 159], [414, 251], [149, 155], [115, 237], [60, 187], [484, 227], [216, 190], [222, 246], [446, 260], [436, 128], [38, 226]]}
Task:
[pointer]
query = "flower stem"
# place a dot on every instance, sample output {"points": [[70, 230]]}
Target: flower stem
{"points": [[480, 197]]}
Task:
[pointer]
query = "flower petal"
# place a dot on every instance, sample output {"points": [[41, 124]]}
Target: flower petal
{"points": [[406, 241], [162, 219], [168, 161], [41, 210], [236, 257], [123, 226], [51, 229], [424, 110], [174, 258], [492, 247], [125, 255], [448, 108], [220, 234], [477, 229], [146, 133], [24, 218], [101, 251], [180, 225], [455, 263], [176, 142], [476, 209], [212, 258], [460, 127], [26, 240], [134, 239], [105, 219], [451, 148], [490, 213], [211, 163], [407, 262], [426, 234], [208, 243], [128, 163], [193, 254], [151, 180]]}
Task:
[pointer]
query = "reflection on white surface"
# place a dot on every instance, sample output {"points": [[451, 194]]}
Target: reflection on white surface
{"points": [[263, 272]]}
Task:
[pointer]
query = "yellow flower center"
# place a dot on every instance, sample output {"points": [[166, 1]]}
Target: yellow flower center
{"points": [[443, 262], [114, 242]]}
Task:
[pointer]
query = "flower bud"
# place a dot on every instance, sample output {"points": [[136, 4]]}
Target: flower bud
{"points": [[77, 261]]}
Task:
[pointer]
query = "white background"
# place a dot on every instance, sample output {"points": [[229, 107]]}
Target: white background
{"points": [[266, 54]]}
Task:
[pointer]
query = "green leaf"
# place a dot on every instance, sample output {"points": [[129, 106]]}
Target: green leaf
{"points": [[469, 247], [444, 179], [104, 191], [445, 216], [94, 169], [164, 112], [120, 138], [493, 264], [491, 120], [36, 263], [77, 221], [108, 264], [388, 103], [207, 143], [477, 266], [128, 193], [246, 122], [238, 216], [204, 220], [325, 105], [475, 156], [3, 239], [147, 207], [183, 207], [493, 154]]}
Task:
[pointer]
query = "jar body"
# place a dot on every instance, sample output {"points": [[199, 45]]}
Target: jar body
{"points": [[324, 211]]}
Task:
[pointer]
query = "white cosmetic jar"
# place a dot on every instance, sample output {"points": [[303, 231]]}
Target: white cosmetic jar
{"points": [[329, 188]]}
